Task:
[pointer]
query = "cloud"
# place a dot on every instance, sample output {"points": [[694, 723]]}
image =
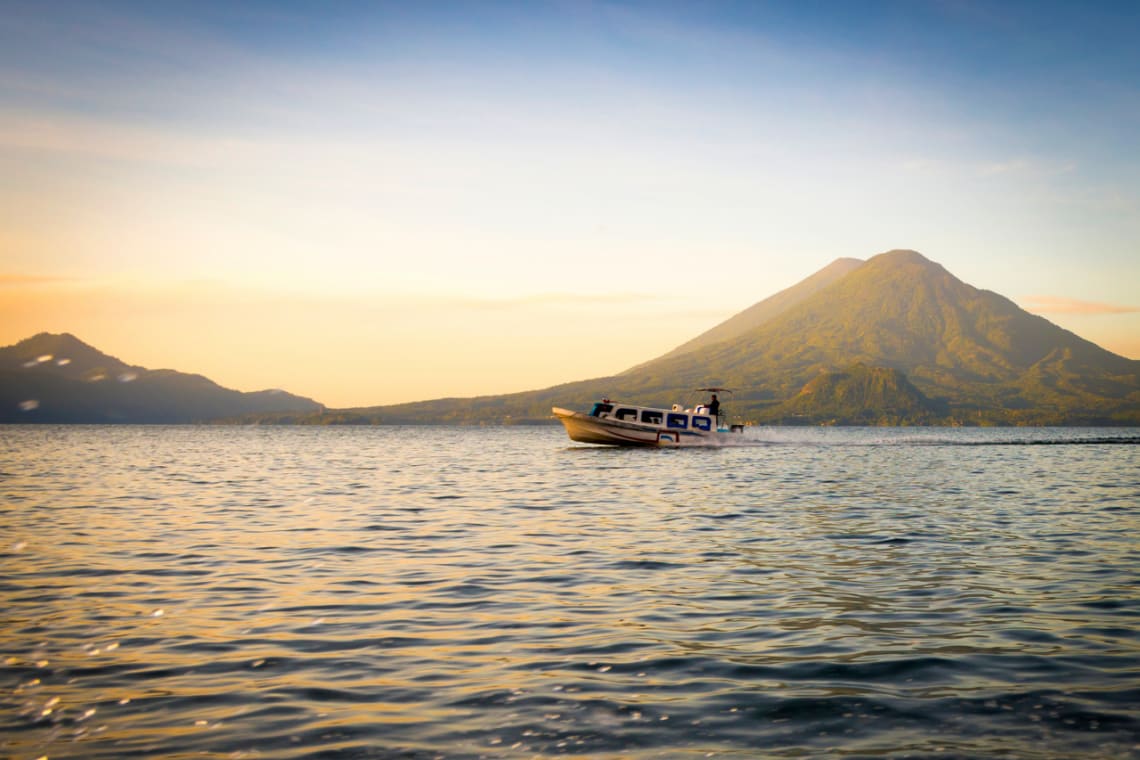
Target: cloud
{"points": [[31, 280], [213, 293], [1033, 168], [1026, 167], [556, 299], [1059, 305], [63, 133]]}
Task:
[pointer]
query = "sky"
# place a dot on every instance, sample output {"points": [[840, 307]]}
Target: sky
{"points": [[377, 202]]}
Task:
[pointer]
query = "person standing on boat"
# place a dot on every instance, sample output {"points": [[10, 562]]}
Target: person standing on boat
{"points": [[714, 407]]}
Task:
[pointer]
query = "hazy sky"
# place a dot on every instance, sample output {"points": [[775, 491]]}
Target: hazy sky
{"points": [[379, 202]]}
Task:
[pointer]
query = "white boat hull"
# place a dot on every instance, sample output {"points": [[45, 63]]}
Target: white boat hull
{"points": [[584, 428]]}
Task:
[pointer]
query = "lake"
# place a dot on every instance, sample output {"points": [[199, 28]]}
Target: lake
{"points": [[446, 592]]}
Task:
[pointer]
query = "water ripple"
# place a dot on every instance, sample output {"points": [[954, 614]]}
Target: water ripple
{"points": [[468, 593]]}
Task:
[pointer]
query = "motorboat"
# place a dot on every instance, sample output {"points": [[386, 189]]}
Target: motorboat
{"points": [[618, 424]]}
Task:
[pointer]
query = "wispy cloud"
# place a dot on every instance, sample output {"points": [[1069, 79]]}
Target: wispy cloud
{"points": [[557, 299], [203, 292], [63, 133], [26, 280], [1017, 167], [1026, 167], [1059, 305]]}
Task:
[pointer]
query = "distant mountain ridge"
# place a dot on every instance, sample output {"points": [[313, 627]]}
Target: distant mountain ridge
{"points": [[860, 395], [973, 350], [758, 314], [973, 356], [59, 378], [896, 339]]}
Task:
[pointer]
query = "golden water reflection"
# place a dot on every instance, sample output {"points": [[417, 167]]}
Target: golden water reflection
{"points": [[220, 591]]}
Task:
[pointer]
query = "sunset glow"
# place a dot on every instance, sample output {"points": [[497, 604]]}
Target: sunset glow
{"points": [[370, 203]]}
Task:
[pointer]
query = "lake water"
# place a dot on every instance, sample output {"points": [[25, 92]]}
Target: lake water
{"points": [[445, 592]]}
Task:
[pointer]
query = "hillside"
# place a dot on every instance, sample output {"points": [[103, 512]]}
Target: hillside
{"points": [[971, 350], [758, 314], [893, 340], [59, 378], [859, 395], [975, 356]]}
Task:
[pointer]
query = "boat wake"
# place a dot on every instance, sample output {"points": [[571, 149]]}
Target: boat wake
{"points": [[940, 437]]}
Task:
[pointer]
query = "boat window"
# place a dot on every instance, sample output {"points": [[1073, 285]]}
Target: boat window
{"points": [[702, 423], [600, 409], [651, 417], [626, 414], [678, 420]]}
